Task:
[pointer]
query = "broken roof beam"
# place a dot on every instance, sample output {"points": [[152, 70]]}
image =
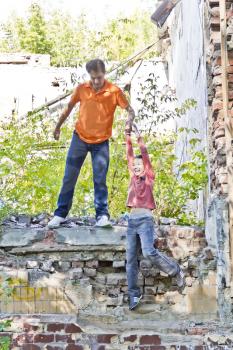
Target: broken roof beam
{"points": [[160, 16]]}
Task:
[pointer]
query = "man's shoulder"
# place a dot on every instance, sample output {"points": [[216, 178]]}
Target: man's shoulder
{"points": [[83, 85], [113, 87]]}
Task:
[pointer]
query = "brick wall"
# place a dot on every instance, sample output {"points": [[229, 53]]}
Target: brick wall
{"points": [[91, 279], [218, 175], [37, 335]]}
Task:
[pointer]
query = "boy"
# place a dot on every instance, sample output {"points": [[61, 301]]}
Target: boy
{"points": [[141, 222]]}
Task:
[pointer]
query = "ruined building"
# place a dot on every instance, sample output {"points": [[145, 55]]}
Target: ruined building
{"points": [[70, 284]]}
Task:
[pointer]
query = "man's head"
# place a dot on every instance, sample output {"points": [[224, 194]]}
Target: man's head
{"points": [[138, 166], [96, 69]]}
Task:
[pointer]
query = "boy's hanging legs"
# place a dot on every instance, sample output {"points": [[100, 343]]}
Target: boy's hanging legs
{"points": [[132, 268], [158, 259], [100, 163], [74, 161]]}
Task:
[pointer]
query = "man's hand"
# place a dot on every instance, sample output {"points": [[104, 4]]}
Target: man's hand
{"points": [[56, 133]]}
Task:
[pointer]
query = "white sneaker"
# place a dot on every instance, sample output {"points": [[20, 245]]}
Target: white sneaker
{"points": [[103, 221], [55, 222]]}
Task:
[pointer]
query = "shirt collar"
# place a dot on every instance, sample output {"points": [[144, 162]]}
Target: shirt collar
{"points": [[106, 86]]}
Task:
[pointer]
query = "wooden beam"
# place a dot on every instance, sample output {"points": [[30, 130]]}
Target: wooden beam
{"points": [[228, 127]]}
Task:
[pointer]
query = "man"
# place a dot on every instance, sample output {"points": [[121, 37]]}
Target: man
{"points": [[98, 100]]}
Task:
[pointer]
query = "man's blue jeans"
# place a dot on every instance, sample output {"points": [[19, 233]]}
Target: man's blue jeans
{"points": [[142, 230], [100, 161]]}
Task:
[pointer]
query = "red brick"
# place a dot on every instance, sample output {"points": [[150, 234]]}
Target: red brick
{"points": [[72, 328], [30, 347], [30, 327], [199, 234], [5, 334], [74, 347], [150, 339], [130, 338], [105, 338], [23, 338], [197, 331], [65, 338], [44, 338], [55, 327]]}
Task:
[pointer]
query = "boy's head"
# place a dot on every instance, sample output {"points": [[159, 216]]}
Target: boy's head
{"points": [[138, 166], [96, 70]]}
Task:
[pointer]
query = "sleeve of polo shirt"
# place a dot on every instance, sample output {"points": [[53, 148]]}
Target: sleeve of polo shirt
{"points": [[122, 100], [75, 97]]}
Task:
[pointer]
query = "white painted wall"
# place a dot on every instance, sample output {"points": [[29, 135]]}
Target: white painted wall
{"points": [[187, 74]]}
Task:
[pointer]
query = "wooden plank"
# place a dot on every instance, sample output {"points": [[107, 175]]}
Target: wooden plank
{"points": [[228, 128], [160, 16]]}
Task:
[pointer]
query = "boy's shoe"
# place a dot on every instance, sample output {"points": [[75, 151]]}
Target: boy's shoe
{"points": [[103, 221], [55, 222], [134, 301], [180, 279]]}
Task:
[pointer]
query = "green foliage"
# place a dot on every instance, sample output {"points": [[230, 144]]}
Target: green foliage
{"points": [[6, 291], [5, 343], [176, 183], [70, 41], [33, 33], [32, 163]]}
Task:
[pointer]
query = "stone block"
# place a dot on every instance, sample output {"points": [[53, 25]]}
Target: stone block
{"points": [[89, 272], [24, 219], [100, 278], [92, 264], [115, 301], [47, 266], [76, 274], [64, 266], [117, 279], [118, 263], [34, 275], [149, 281], [150, 290], [32, 264], [189, 281], [77, 264]]}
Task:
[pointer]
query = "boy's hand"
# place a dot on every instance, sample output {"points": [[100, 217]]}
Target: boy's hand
{"points": [[128, 127]]}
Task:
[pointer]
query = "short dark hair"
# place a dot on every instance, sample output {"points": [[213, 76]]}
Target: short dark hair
{"points": [[95, 65], [138, 156]]}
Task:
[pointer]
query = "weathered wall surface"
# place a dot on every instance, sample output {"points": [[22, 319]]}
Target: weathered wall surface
{"points": [[71, 290], [194, 66], [187, 75], [82, 269]]}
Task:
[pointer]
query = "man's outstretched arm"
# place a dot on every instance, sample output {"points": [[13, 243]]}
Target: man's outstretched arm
{"points": [[65, 113]]}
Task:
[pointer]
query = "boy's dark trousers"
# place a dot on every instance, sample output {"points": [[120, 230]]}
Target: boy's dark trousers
{"points": [[143, 228]]}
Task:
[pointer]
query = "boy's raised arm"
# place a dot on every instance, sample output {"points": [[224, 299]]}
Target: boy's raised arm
{"points": [[129, 152], [145, 157]]}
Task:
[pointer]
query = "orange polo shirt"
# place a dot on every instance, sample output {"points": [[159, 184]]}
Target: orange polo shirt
{"points": [[96, 111]]}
